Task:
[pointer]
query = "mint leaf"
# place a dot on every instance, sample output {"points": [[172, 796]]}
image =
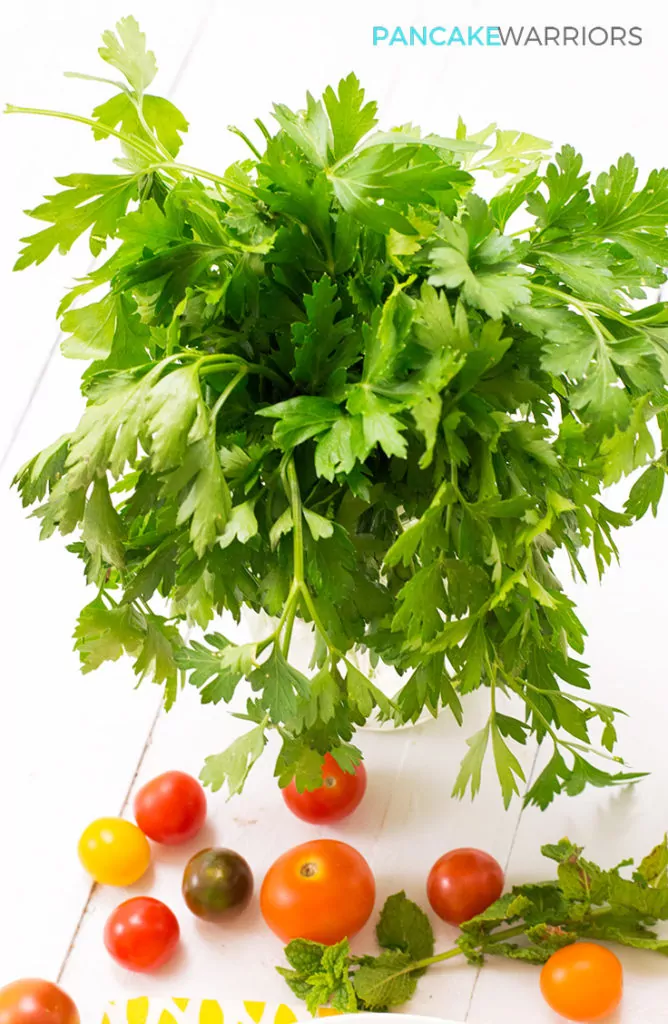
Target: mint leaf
{"points": [[385, 981], [404, 926], [304, 956], [654, 867]]}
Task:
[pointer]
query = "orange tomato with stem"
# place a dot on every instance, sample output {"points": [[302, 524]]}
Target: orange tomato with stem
{"points": [[323, 891]]}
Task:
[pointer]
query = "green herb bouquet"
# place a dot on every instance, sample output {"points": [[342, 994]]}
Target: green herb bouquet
{"points": [[331, 384]]}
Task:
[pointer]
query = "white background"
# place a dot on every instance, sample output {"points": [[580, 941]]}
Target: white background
{"points": [[74, 748]]}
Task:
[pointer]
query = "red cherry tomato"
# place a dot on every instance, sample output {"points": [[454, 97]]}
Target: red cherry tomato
{"points": [[33, 1001], [338, 796], [583, 982], [463, 883], [141, 934], [323, 890], [171, 808]]}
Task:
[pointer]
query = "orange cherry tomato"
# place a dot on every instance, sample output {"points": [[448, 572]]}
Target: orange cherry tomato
{"points": [[114, 851], [33, 1001], [583, 982], [323, 890], [463, 883], [338, 796]]}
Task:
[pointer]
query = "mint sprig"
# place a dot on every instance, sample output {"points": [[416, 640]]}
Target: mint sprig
{"points": [[529, 923]]}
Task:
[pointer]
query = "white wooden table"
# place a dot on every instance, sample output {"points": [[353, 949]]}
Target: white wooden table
{"points": [[74, 748]]}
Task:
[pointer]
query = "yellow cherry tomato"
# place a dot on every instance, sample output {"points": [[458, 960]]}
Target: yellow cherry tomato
{"points": [[114, 851]]}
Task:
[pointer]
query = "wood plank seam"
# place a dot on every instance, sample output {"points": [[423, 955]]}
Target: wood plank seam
{"points": [[390, 794], [124, 805], [199, 31], [513, 840]]}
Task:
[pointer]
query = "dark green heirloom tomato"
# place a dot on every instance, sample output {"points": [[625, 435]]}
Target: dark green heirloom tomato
{"points": [[217, 884]]}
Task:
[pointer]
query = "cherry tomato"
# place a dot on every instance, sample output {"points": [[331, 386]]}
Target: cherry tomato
{"points": [[33, 1001], [463, 883], [217, 885], [114, 851], [583, 982], [338, 796], [323, 890], [171, 809], [142, 934]]}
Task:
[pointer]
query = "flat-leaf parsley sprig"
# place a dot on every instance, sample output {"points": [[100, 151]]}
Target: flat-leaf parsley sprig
{"points": [[331, 384]]}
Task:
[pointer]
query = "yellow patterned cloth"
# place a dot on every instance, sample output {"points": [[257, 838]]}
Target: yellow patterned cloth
{"points": [[200, 1011]]}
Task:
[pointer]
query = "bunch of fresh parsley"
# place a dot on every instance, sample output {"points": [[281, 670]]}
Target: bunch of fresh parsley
{"points": [[584, 902], [330, 384]]}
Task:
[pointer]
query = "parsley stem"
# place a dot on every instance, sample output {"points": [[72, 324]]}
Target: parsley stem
{"points": [[448, 512], [265, 131], [290, 602], [313, 612], [297, 523], [242, 135], [597, 327], [217, 179], [218, 363], [289, 626], [567, 744], [140, 147], [224, 395], [97, 126], [139, 107]]}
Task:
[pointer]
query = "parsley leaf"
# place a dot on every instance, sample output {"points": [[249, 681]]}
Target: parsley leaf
{"points": [[350, 117], [125, 49], [334, 384], [231, 768], [216, 673], [88, 202]]}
